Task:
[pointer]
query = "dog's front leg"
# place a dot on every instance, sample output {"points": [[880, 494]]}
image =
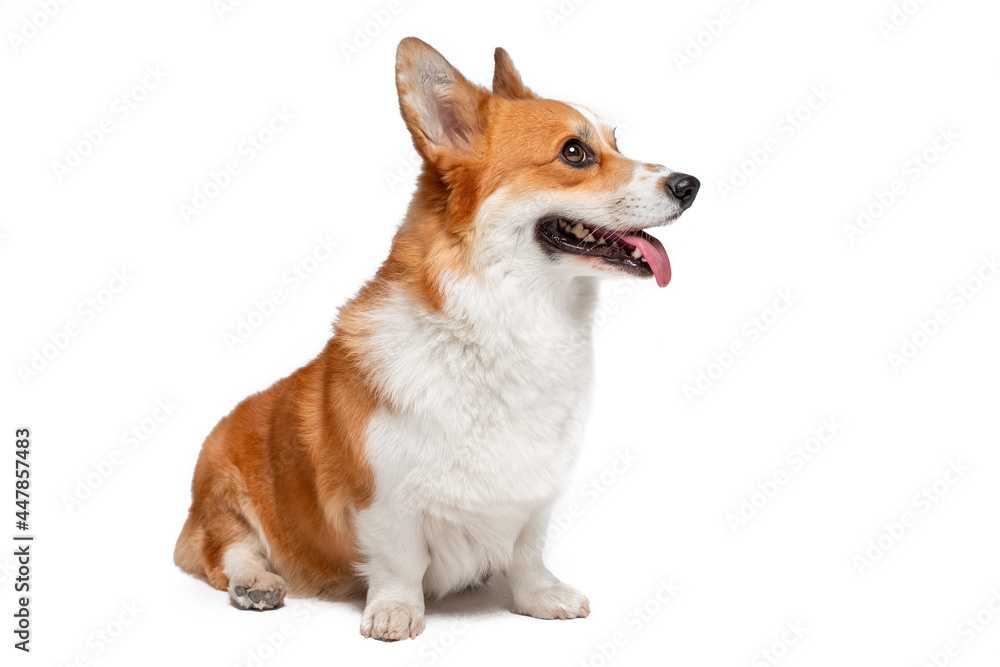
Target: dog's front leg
{"points": [[396, 558], [536, 591]]}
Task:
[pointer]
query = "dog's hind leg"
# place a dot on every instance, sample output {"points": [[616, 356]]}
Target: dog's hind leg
{"points": [[236, 560], [252, 583]]}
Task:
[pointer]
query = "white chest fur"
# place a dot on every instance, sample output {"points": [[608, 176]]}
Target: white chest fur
{"points": [[489, 399]]}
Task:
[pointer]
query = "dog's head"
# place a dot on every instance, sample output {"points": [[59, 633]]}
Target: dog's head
{"points": [[524, 183]]}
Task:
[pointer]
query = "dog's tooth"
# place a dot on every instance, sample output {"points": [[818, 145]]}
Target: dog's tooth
{"points": [[601, 241], [614, 244], [579, 231], [636, 253], [590, 238]]}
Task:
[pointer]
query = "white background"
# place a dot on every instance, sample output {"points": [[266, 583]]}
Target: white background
{"points": [[336, 172]]}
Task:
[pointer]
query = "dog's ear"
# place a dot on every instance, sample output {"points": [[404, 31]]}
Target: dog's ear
{"points": [[440, 106], [506, 81]]}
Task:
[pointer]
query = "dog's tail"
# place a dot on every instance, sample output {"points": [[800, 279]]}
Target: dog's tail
{"points": [[187, 553]]}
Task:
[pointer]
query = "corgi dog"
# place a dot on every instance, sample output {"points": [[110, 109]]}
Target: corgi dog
{"points": [[423, 449]]}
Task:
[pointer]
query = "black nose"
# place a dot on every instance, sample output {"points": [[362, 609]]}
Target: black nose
{"points": [[684, 187]]}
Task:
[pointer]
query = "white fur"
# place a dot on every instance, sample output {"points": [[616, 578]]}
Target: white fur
{"points": [[489, 399]]}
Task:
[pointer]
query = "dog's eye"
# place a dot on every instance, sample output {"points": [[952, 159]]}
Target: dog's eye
{"points": [[575, 153]]}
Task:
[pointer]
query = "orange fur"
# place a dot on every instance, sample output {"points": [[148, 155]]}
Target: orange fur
{"points": [[288, 462]]}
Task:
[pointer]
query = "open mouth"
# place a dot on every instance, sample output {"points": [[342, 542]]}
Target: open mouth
{"points": [[634, 252]]}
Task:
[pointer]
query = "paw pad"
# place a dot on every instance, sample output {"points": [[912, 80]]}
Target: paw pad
{"points": [[263, 590]]}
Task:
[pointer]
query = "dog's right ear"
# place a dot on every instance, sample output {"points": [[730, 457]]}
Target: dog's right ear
{"points": [[441, 107]]}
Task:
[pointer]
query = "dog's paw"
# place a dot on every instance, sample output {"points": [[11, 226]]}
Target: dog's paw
{"points": [[257, 590], [391, 621], [556, 601]]}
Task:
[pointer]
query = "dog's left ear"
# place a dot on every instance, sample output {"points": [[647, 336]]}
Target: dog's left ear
{"points": [[506, 80], [440, 106]]}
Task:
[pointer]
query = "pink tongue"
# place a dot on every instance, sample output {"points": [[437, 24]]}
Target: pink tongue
{"points": [[654, 253]]}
